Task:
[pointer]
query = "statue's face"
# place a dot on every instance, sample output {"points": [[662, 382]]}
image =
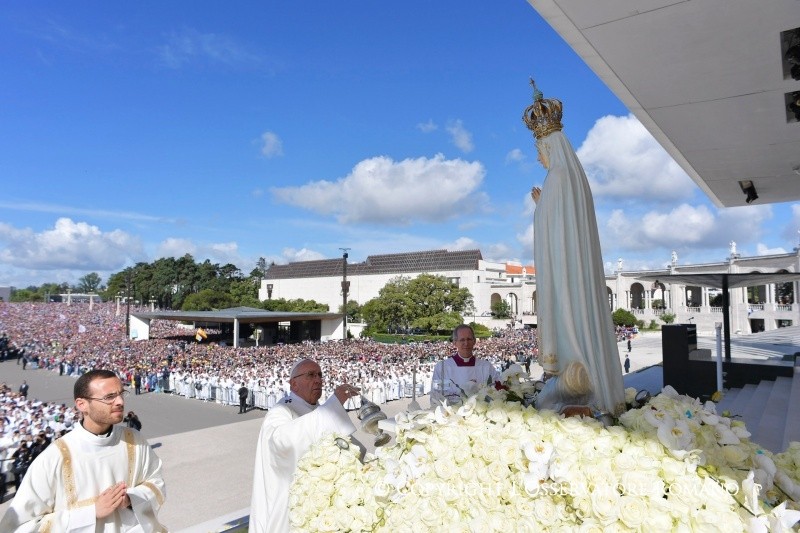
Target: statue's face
{"points": [[542, 156]]}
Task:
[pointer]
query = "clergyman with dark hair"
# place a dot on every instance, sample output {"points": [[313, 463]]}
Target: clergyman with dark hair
{"points": [[101, 476]]}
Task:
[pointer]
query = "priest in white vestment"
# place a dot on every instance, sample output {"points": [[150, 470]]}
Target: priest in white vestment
{"points": [[462, 374], [99, 477], [289, 430]]}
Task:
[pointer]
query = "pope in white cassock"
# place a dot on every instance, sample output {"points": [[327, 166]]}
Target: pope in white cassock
{"points": [[98, 477], [461, 374], [288, 431]]}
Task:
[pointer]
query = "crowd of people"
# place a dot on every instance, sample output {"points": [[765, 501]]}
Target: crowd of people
{"points": [[27, 427], [73, 339]]}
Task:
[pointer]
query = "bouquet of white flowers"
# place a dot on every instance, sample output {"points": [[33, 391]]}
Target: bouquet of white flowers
{"points": [[496, 464]]}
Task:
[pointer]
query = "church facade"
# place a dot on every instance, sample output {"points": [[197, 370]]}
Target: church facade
{"points": [[753, 309]]}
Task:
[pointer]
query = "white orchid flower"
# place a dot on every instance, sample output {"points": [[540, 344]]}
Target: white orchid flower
{"points": [[782, 519]]}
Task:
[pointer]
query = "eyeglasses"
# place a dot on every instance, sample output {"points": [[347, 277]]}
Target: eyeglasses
{"points": [[109, 398], [311, 375]]}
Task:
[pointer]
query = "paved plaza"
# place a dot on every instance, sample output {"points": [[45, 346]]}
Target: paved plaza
{"points": [[208, 449]]}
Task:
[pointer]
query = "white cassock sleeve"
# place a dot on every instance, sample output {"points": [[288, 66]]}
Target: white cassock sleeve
{"points": [[285, 437]]}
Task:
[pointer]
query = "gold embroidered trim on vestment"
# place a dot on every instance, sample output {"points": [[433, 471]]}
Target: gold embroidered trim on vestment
{"points": [[67, 473], [131, 442], [159, 496]]}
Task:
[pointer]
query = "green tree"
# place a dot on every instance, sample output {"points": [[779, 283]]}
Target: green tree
{"points": [[25, 295], [261, 268], [501, 309], [785, 292], [207, 300], [480, 330], [353, 311], [442, 323], [294, 306], [391, 310], [245, 293], [89, 283], [622, 317], [667, 318], [427, 301]]}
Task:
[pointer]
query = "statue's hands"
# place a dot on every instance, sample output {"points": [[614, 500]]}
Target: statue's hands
{"points": [[536, 193]]}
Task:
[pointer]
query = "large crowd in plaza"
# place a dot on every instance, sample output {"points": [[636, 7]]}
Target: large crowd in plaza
{"points": [[72, 339]]}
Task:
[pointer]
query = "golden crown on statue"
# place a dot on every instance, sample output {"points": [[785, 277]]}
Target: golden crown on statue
{"points": [[543, 116]]}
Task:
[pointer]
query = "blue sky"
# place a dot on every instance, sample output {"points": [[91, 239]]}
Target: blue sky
{"points": [[289, 130]]}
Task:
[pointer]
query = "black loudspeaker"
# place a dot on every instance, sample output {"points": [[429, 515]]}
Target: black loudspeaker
{"points": [[677, 341]]}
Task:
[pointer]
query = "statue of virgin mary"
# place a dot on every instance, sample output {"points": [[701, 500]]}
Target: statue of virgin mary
{"points": [[573, 311]]}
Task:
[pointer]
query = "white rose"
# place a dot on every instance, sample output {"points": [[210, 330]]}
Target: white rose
{"points": [[591, 526], [632, 511], [327, 520], [545, 511], [599, 473], [445, 468], [605, 504], [684, 491], [498, 471], [624, 462], [630, 395], [735, 455], [327, 471]]}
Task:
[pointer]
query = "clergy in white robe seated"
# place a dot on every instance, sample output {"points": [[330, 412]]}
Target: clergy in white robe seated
{"points": [[99, 477], [288, 431], [461, 374]]}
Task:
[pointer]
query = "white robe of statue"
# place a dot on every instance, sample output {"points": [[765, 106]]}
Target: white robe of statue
{"points": [[288, 431], [573, 312], [58, 495]]}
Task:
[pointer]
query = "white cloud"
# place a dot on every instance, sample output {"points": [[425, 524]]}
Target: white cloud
{"points": [[224, 253], [291, 255], [763, 249], [496, 252], [684, 227], [515, 156], [499, 252], [622, 160], [791, 231], [462, 243], [58, 209], [173, 247], [381, 190], [460, 136], [220, 253], [69, 245], [271, 145], [427, 127], [191, 46], [525, 239]]}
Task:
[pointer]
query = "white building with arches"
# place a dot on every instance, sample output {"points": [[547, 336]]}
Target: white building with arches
{"points": [[752, 309]]}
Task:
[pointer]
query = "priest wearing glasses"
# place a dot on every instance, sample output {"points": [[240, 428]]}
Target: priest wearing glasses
{"points": [[101, 476], [462, 374]]}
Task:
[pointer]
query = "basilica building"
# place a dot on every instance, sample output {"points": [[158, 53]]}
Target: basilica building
{"points": [[752, 309]]}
